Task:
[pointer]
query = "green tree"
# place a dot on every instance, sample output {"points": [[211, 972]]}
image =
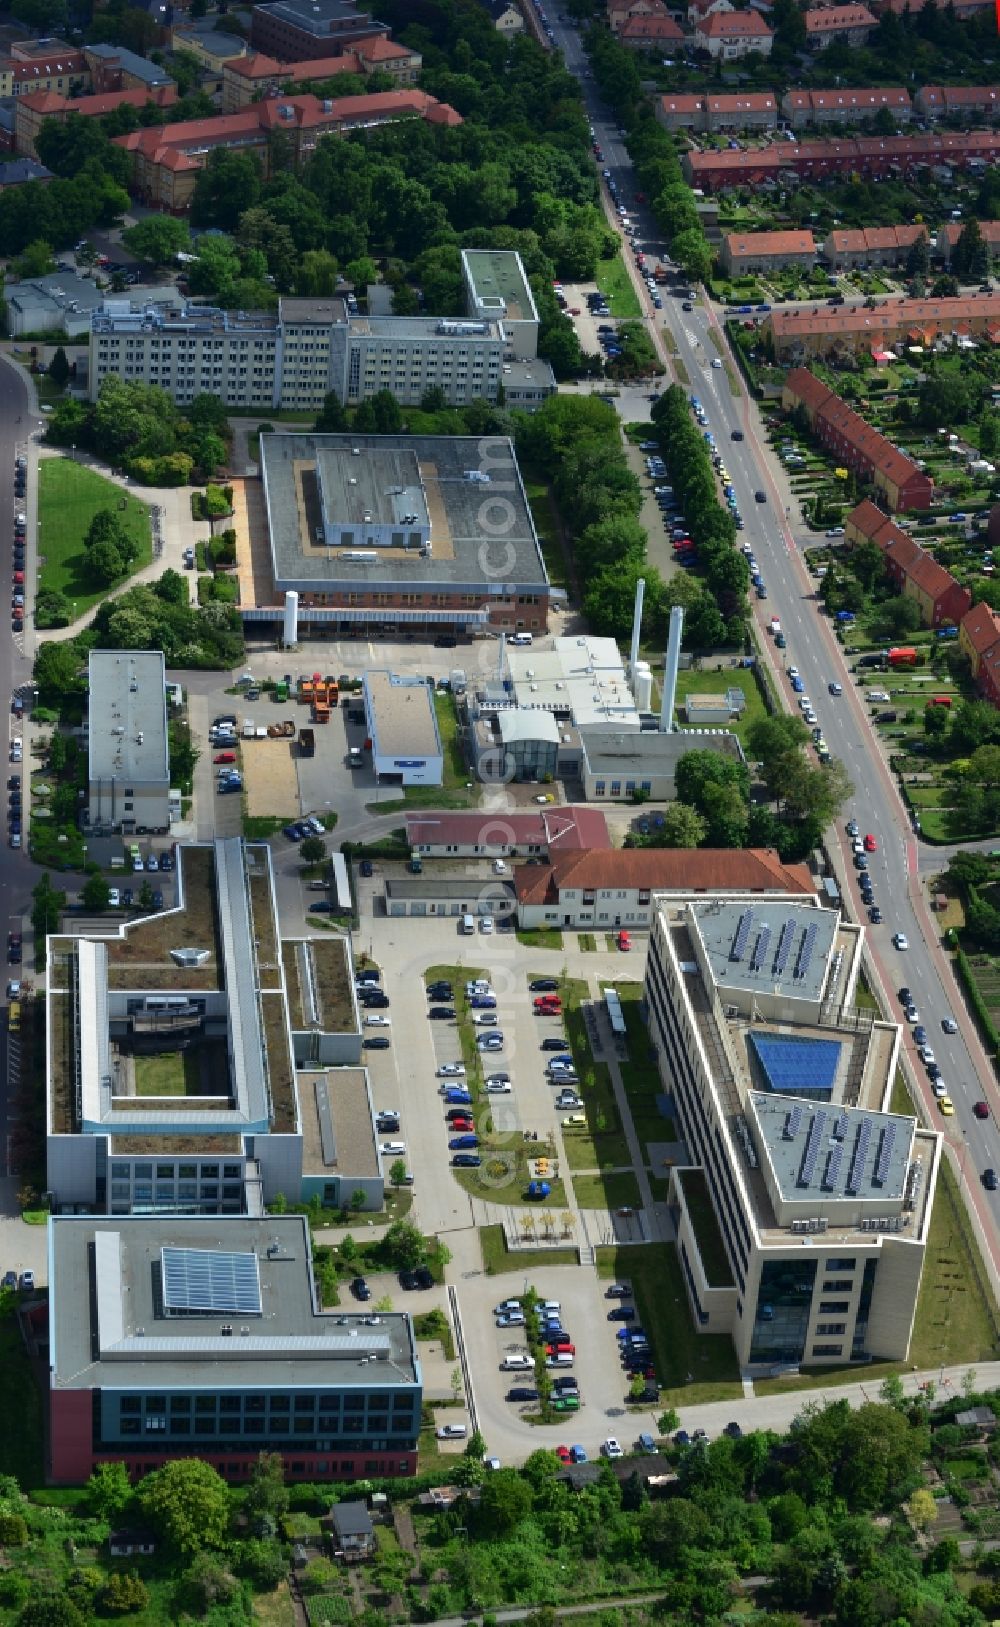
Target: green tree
{"points": [[36, 260], [313, 850], [317, 274], [95, 893], [681, 826], [332, 417], [397, 1173], [158, 239], [109, 1491], [187, 1504], [47, 906], [267, 1492], [264, 1562], [228, 184], [124, 1593], [50, 1610], [504, 1502], [403, 1246], [59, 368]]}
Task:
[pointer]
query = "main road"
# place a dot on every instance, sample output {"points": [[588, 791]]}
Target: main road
{"points": [[812, 648]]}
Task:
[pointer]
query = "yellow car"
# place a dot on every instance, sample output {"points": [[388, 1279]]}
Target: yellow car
{"points": [[946, 1105], [574, 1120]]}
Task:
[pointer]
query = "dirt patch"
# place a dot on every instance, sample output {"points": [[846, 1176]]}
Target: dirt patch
{"points": [[272, 785]]}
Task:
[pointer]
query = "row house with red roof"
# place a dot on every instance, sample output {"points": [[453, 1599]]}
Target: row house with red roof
{"points": [[657, 32], [729, 35], [806, 109], [825, 24], [855, 444], [978, 103], [845, 249], [872, 157], [712, 114], [915, 573], [979, 639]]}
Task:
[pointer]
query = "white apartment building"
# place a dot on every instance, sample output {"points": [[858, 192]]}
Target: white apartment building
{"points": [[128, 747], [803, 1217], [312, 346]]}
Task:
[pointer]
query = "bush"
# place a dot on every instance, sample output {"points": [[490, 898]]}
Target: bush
{"points": [[124, 1593], [979, 1006]]}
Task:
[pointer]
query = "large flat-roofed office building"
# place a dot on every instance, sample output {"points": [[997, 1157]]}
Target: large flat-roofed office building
{"points": [[198, 1064], [128, 748], [173, 1337], [403, 533], [805, 1209], [295, 357], [497, 290]]}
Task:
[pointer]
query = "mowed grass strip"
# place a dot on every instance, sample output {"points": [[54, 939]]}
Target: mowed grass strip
{"points": [[69, 495]]}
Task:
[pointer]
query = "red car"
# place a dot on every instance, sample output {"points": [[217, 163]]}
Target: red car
{"points": [[224, 757], [574, 310], [562, 1349], [563, 1453], [981, 1110], [548, 1002], [19, 578], [462, 1124], [871, 846], [624, 942]]}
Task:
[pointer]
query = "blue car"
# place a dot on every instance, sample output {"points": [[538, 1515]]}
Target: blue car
{"points": [[292, 832], [459, 1143], [798, 686], [466, 1160], [578, 1454], [458, 1098]]}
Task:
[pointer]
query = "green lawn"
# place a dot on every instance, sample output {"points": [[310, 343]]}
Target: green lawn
{"points": [[618, 1190], [172, 1073], [701, 682], [69, 496], [678, 1351], [541, 937], [497, 1258], [640, 1073], [706, 1229], [616, 285]]}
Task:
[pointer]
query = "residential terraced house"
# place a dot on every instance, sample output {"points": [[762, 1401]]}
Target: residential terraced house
{"points": [[828, 23], [767, 251], [941, 600], [844, 250], [856, 444], [730, 35], [806, 108], [823, 330]]}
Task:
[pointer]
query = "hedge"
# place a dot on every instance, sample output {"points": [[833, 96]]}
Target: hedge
{"points": [[979, 1006]]}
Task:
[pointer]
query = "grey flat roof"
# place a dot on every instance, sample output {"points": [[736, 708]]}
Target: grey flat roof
{"points": [[779, 961], [802, 1141], [424, 327], [338, 1134], [535, 374], [317, 15], [482, 535], [128, 716], [108, 1328], [620, 751], [323, 312], [497, 274], [401, 716]]}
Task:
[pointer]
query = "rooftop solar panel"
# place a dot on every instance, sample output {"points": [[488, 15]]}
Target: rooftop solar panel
{"points": [[808, 1168], [204, 1282], [742, 937], [858, 1157], [784, 948], [835, 1158], [840, 1128], [884, 1158], [760, 948], [805, 950]]}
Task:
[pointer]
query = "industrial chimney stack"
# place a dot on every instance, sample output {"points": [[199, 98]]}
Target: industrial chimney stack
{"points": [[670, 670]]}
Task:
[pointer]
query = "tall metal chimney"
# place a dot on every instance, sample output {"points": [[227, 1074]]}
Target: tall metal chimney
{"points": [[640, 590], [670, 670]]}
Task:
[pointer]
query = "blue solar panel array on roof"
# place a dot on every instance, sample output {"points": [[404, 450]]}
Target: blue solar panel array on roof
{"points": [[760, 948], [796, 1065], [784, 948], [742, 937], [199, 1282]]}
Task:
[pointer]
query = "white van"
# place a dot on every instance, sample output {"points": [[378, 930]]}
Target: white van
{"points": [[561, 1359], [468, 924], [516, 1364], [549, 1305], [520, 639]]}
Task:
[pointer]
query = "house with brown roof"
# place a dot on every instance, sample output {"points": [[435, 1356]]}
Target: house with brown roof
{"points": [[872, 157], [620, 11], [166, 158], [828, 23], [747, 110], [651, 33], [248, 79], [541, 833], [820, 330], [59, 69], [978, 634], [941, 600], [804, 109], [616, 888], [949, 234], [681, 110], [854, 443], [846, 249], [30, 112], [702, 8], [729, 35], [975, 102], [766, 251]]}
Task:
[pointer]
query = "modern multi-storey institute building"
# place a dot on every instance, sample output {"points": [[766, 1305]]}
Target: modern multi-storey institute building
{"points": [[821, 1196], [198, 1066]]}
